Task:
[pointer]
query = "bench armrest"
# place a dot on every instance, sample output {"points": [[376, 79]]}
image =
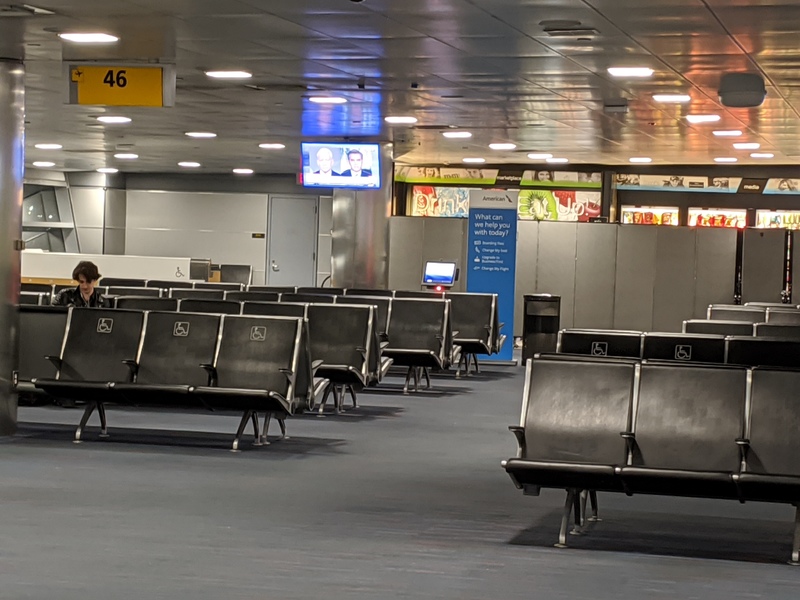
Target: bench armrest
{"points": [[133, 366], [630, 439], [744, 446], [316, 364], [384, 345], [212, 372], [519, 434], [56, 360]]}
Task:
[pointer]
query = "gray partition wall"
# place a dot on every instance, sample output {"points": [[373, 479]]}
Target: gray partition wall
{"points": [[715, 269], [762, 265], [674, 277], [527, 265], [415, 240], [555, 270], [596, 257], [635, 277]]}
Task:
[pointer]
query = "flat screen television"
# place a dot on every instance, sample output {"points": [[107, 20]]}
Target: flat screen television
{"points": [[341, 165], [439, 273]]}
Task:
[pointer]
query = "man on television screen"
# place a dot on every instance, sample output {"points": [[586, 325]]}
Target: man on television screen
{"points": [[356, 160], [325, 163]]}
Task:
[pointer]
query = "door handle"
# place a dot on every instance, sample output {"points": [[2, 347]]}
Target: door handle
{"points": [[275, 266]]}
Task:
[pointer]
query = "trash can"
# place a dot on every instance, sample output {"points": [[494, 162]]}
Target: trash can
{"points": [[540, 324]]}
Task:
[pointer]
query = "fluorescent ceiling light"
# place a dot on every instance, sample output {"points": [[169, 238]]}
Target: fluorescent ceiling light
{"points": [[48, 146], [457, 134], [43, 164], [89, 38], [126, 156], [502, 146], [726, 159], [762, 155], [558, 161], [201, 134], [703, 118], [401, 120], [672, 98], [630, 71], [112, 119], [641, 159], [473, 160], [728, 133], [108, 170], [189, 164], [272, 146], [243, 171], [747, 146], [229, 74], [327, 100], [540, 156]]}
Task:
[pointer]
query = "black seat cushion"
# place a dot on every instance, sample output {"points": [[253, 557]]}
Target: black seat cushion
{"points": [[674, 482], [564, 475]]}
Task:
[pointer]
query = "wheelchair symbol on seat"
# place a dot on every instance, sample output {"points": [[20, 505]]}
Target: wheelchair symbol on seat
{"points": [[181, 329], [258, 334], [683, 353], [179, 273], [105, 325], [599, 348]]}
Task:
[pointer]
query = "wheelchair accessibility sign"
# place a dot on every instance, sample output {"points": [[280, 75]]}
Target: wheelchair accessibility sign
{"points": [[258, 334], [683, 353], [105, 325], [599, 348], [181, 329]]}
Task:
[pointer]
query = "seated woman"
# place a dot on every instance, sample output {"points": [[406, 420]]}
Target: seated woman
{"points": [[84, 295]]}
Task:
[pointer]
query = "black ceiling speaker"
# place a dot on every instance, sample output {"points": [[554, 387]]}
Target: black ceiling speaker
{"points": [[742, 90]]}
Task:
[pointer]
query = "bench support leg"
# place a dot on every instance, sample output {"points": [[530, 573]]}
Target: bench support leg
{"points": [[338, 392], [101, 412], [281, 423], [796, 542], [593, 499], [84, 419], [412, 373], [242, 424], [477, 366], [427, 374], [569, 507], [256, 430], [352, 392]]}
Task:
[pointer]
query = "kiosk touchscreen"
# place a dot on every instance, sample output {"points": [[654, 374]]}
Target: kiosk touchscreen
{"points": [[439, 274]]}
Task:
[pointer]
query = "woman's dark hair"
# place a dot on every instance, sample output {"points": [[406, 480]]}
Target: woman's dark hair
{"points": [[87, 269]]}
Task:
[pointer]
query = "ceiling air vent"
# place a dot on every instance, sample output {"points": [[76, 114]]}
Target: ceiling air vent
{"points": [[8, 11], [568, 29]]}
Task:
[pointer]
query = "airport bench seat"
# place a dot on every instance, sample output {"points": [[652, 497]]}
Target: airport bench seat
{"points": [[420, 337], [694, 430], [475, 326]]}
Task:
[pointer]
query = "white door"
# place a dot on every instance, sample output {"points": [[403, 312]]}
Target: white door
{"points": [[292, 242]]}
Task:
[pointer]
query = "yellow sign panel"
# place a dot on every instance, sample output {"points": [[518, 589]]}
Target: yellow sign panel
{"points": [[118, 86]]}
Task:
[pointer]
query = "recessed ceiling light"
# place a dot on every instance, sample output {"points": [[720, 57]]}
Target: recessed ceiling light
{"points": [[641, 159], [502, 146], [270, 146], [540, 156], [558, 161], [672, 98], [401, 120], [327, 99], [187, 164], [48, 146], [126, 156], [762, 155], [89, 38], [108, 170], [243, 171], [201, 134], [726, 159], [44, 164], [630, 71], [229, 74], [457, 134], [703, 118], [728, 133], [113, 119], [473, 160], [747, 145]]}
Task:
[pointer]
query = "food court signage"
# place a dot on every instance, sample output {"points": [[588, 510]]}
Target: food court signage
{"points": [[506, 177], [720, 185]]}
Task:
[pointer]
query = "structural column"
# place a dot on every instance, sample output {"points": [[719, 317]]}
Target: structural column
{"points": [[12, 164], [360, 232]]}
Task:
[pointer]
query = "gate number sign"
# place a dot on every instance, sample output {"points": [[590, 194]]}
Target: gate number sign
{"points": [[117, 86]]}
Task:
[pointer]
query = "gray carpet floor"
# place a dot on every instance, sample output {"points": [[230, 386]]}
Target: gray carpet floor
{"points": [[403, 497]]}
